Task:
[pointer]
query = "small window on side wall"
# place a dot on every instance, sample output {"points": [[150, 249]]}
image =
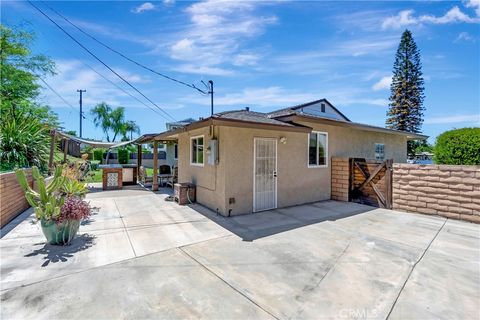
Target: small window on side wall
{"points": [[322, 107], [379, 151], [196, 147], [175, 151], [318, 149]]}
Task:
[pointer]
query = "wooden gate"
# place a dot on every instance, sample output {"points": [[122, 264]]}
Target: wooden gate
{"points": [[371, 182]]}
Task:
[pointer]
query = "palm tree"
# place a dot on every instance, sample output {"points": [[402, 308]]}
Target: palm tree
{"points": [[130, 127], [117, 121], [102, 117]]}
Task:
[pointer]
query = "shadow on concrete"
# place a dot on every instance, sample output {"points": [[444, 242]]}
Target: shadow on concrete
{"points": [[29, 213], [54, 254], [254, 226]]}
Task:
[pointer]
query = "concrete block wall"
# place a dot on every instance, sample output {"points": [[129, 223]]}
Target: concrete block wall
{"points": [[445, 190], [12, 198], [340, 178]]}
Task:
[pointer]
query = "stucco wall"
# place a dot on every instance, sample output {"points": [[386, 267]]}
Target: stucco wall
{"points": [[296, 182], [209, 180], [354, 143]]}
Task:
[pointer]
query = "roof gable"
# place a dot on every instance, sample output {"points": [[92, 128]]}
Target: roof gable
{"points": [[319, 108]]}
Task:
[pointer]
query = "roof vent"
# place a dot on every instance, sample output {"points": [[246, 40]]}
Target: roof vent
{"points": [[247, 108]]}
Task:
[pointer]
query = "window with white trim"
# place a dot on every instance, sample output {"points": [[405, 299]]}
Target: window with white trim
{"points": [[379, 151], [318, 149], [196, 147]]}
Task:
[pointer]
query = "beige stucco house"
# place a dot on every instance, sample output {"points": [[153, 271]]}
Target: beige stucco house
{"points": [[243, 161]]}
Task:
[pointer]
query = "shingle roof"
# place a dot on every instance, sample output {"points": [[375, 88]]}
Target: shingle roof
{"points": [[250, 116]]}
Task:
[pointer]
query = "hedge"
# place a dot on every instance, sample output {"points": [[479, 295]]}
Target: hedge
{"points": [[459, 146], [98, 154], [123, 155]]}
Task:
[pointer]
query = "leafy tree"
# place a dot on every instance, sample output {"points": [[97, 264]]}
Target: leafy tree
{"points": [[407, 90], [423, 146], [130, 127], [458, 146], [20, 70], [25, 125]]}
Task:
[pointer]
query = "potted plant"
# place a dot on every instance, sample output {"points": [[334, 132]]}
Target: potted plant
{"points": [[58, 205]]}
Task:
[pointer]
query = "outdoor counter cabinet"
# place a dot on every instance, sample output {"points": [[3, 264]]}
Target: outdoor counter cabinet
{"points": [[114, 176]]}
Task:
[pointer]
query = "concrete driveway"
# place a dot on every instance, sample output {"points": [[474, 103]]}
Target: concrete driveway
{"points": [[142, 257]]}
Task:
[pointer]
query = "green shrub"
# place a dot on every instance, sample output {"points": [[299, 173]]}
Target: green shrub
{"points": [[459, 146], [123, 156], [98, 154], [24, 142], [94, 164]]}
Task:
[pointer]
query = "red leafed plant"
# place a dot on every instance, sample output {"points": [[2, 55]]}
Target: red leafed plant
{"points": [[74, 208]]}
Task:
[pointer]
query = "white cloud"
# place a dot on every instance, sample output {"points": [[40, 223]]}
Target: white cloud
{"points": [[453, 15], [407, 18], [279, 97], [203, 70], [403, 19], [217, 34], [147, 6], [382, 84], [465, 118], [72, 75], [168, 2], [464, 36], [475, 4]]}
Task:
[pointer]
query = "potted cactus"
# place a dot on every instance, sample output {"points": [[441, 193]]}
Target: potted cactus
{"points": [[58, 205]]}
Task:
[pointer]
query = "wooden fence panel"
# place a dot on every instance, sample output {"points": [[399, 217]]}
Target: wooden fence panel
{"points": [[12, 198]]}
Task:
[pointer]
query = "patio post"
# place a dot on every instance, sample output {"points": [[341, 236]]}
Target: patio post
{"points": [[52, 150], [65, 150], [139, 160], [155, 166]]}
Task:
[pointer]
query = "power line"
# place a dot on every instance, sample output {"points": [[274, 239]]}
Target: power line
{"points": [[99, 60], [107, 79], [60, 96], [192, 86]]}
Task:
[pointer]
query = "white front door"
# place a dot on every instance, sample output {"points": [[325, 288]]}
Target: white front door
{"points": [[264, 174]]}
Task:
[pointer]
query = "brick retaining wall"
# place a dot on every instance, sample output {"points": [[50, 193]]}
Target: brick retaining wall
{"points": [[12, 198], [445, 190], [340, 177]]}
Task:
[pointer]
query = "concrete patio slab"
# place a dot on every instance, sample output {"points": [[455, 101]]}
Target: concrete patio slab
{"points": [[411, 229], [169, 284], [143, 257], [32, 260]]}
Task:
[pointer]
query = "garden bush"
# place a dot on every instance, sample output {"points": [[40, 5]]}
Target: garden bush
{"points": [[98, 154], [24, 142], [94, 164], [459, 146], [123, 155]]}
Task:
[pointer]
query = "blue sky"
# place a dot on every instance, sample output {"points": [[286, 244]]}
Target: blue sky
{"points": [[265, 55]]}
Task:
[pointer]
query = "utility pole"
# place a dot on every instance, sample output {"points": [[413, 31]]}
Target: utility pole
{"points": [[211, 95], [81, 112]]}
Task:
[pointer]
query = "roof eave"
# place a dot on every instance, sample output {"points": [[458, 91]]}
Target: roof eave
{"points": [[366, 127]]}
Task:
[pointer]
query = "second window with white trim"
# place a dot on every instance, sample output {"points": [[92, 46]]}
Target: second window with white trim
{"points": [[196, 144], [317, 149]]}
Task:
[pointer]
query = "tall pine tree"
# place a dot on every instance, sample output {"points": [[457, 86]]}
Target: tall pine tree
{"points": [[406, 98]]}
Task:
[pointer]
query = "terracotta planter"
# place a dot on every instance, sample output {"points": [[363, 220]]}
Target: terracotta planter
{"points": [[60, 233]]}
